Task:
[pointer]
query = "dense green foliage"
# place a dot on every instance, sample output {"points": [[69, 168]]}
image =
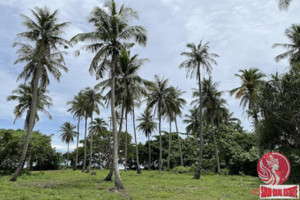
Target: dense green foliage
{"points": [[41, 156]]}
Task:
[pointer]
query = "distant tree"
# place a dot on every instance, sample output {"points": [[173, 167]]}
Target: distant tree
{"points": [[67, 135], [147, 126], [198, 56]]}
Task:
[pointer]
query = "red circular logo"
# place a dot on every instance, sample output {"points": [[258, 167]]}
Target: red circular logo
{"points": [[273, 168]]}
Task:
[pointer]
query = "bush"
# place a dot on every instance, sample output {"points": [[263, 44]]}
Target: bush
{"points": [[182, 170]]}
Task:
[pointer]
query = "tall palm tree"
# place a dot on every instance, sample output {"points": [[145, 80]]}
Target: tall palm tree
{"points": [[213, 105], [67, 135], [198, 56], [112, 29], [129, 89], [293, 48], [45, 57], [248, 93], [192, 121], [179, 103], [147, 126], [160, 98], [23, 94], [92, 100], [284, 4], [78, 112]]}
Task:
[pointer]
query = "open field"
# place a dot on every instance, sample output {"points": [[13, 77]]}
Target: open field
{"points": [[70, 185]]}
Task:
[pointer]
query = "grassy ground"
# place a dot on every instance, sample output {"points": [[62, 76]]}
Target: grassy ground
{"points": [[75, 185]]}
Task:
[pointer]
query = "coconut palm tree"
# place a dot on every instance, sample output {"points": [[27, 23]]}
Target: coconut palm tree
{"points": [[92, 100], [160, 98], [67, 135], [192, 121], [78, 112], [45, 57], [284, 4], [147, 126], [179, 103], [23, 94], [248, 93], [213, 105], [129, 90], [198, 56], [112, 29], [293, 48]]}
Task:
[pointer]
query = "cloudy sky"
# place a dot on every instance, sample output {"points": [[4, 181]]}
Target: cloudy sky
{"points": [[242, 32]]}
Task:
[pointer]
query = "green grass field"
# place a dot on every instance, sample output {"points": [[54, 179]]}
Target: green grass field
{"points": [[75, 185]]}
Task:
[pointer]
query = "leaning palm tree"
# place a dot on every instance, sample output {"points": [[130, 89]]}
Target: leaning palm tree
{"points": [[293, 48], [284, 4], [112, 29], [248, 93], [67, 135], [147, 126], [160, 98], [45, 57], [213, 105], [199, 56], [23, 94], [78, 112]]}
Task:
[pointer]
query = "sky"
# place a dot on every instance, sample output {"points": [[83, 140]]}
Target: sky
{"points": [[241, 32]]}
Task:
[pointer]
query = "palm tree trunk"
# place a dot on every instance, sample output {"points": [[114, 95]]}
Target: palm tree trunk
{"points": [[149, 162], [68, 155], [110, 163], [76, 160], [216, 145], [259, 146], [170, 143], [84, 156], [30, 123], [118, 182], [91, 148], [29, 163], [199, 167], [160, 141], [136, 144], [179, 139], [126, 115]]}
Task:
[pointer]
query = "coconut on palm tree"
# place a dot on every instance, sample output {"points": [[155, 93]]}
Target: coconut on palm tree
{"points": [[248, 93], [293, 48], [23, 94], [112, 29], [147, 126], [198, 56], [42, 58], [67, 135], [160, 98]]}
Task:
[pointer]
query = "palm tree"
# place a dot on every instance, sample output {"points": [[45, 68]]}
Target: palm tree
{"points": [[129, 88], [248, 93], [78, 112], [192, 121], [284, 4], [23, 94], [213, 105], [112, 29], [293, 49], [91, 101], [198, 56], [179, 103], [67, 135], [147, 126], [45, 57], [161, 100]]}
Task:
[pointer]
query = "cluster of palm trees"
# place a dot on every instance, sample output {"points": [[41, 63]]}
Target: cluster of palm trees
{"points": [[111, 41]]}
